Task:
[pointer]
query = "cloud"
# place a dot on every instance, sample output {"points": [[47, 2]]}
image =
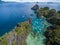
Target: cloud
{"points": [[32, 0]]}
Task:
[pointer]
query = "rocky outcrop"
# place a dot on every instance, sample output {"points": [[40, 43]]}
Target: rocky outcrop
{"points": [[35, 7]]}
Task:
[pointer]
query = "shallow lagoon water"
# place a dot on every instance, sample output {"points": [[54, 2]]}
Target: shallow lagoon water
{"points": [[13, 13], [39, 24], [38, 27]]}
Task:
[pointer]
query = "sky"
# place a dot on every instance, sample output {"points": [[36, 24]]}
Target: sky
{"points": [[31, 0]]}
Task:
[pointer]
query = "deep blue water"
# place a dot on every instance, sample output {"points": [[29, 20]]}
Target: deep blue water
{"points": [[13, 13]]}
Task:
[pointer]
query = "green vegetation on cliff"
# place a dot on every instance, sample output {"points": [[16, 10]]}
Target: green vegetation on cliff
{"points": [[53, 17], [17, 36]]}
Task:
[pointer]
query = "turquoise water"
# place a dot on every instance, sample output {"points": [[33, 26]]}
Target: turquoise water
{"points": [[38, 27], [37, 40], [13, 13]]}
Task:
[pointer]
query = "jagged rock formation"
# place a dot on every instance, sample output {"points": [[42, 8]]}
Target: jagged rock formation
{"points": [[35, 7]]}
